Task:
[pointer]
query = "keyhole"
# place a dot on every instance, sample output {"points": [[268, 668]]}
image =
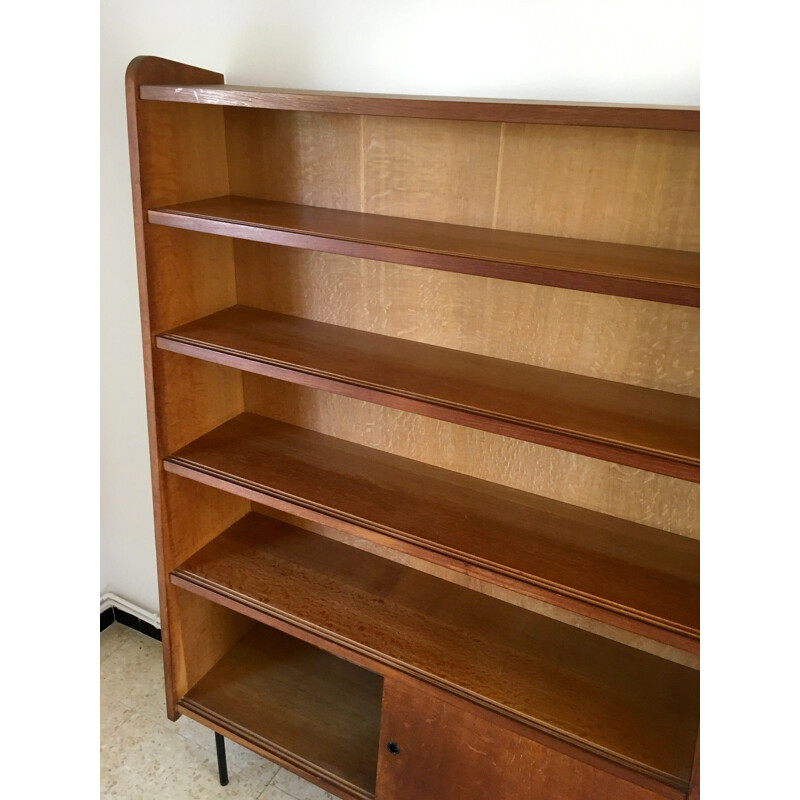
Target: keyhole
{"points": [[393, 748]]}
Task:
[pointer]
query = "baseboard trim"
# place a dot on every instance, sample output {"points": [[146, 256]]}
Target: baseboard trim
{"points": [[114, 608]]}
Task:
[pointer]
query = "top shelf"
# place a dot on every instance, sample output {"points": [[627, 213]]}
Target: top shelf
{"points": [[603, 115]]}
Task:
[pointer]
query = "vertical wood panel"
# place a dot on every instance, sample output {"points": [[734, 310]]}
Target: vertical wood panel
{"points": [[193, 397], [191, 275], [202, 632], [182, 158], [208, 631], [656, 500], [619, 339], [196, 514], [631, 186], [447, 753], [177, 155], [313, 159], [438, 170], [522, 601]]}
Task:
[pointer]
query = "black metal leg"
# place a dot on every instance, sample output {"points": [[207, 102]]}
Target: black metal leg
{"points": [[222, 761]]}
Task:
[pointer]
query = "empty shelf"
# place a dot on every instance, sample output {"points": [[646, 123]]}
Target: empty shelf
{"points": [[603, 566], [632, 425], [648, 273], [633, 707], [291, 699]]}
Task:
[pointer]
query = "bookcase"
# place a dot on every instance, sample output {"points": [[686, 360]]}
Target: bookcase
{"points": [[423, 406]]}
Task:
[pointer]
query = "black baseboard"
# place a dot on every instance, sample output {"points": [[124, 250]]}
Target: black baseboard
{"points": [[129, 620]]}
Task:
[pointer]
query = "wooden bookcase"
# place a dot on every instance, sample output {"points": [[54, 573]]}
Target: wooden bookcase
{"points": [[424, 431]]}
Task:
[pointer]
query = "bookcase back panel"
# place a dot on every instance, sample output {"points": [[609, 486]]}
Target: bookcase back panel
{"points": [[662, 502], [632, 186], [615, 338], [619, 185], [295, 157], [660, 649], [207, 632]]}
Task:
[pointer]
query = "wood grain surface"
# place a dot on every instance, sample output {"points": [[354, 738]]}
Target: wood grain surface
{"points": [[670, 646], [177, 154], [295, 701], [477, 174], [426, 169], [639, 496], [467, 108], [603, 561], [583, 183], [637, 709], [618, 339], [447, 753], [627, 424], [671, 276]]}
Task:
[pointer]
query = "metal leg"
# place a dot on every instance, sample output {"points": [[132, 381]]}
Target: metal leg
{"points": [[222, 761]]}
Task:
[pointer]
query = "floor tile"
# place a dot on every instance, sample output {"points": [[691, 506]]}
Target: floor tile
{"points": [[133, 676], [148, 759], [144, 756], [112, 715], [237, 756], [299, 788], [272, 792], [112, 638]]}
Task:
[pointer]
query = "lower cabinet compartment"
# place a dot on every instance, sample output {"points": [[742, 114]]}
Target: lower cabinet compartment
{"points": [[362, 735], [284, 698], [432, 749]]}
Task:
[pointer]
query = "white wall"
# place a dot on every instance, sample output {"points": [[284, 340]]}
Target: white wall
{"points": [[625, 51]]}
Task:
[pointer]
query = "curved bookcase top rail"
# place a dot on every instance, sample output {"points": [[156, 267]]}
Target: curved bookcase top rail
{"points": [[547, 112], [646, 273]]}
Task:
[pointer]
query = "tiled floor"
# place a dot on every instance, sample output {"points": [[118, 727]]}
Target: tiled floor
{"points": [[144, 756]]}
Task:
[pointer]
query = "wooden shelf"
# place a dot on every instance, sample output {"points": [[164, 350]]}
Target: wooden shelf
{"points": [[466, 108], [633, 576], [601, 696], [648, 273], [301, 704], [631, 425]]}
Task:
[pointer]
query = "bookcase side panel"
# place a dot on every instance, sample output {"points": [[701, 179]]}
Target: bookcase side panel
{"points": [[177, 153]]}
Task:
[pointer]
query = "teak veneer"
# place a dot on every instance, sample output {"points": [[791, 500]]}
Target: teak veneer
{"points": [[628, 705], [631, 425], [298, 704], [406, 630], [562, 552], [674, 118], [648, 273]]}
